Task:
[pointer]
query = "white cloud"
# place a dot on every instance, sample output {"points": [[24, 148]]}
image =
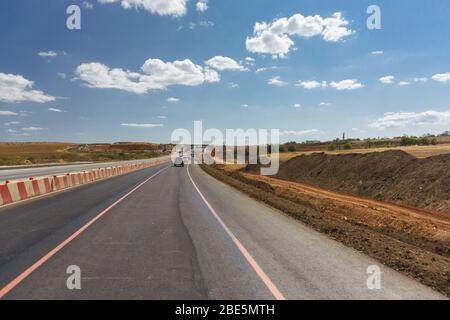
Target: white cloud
{"points": [[300, 133], [11, 131], [441, 77], [324, 104], [233, 85], [275, 38], [34, 129], [61, 75], [142, 125], [267, 69], [276, 81], [173, 100], [8, 113], [162, 117], [312, 84], [244, 105], [404, 119], [404, 83], [15, 88], [88, 5], [202, 5], [297, 105], [48, 54], [387, 79], [155, 75], [421, 79], [377, 53], [224, 63], [249, 61], [350, 84], [11, 123], [206, 24], [176, 8], [55, 110]]}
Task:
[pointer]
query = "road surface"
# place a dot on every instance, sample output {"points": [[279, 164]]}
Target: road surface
{"points": [[23, 173], [177, 233]]}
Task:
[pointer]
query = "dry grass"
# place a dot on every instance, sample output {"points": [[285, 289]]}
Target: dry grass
{"points": [[17, 148], [417, 151], [25, 153]]}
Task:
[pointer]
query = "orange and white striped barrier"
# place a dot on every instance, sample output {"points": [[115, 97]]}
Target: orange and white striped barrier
{"points": [[19, 190]]}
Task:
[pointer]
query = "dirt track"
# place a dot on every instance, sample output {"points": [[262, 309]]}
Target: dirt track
{"points": [[410, 240]]}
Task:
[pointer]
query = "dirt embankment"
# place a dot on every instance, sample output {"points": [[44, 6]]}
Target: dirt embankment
{"points": [[413, 241], [393, 176]]}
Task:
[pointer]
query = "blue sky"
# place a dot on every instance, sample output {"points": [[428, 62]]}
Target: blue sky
{"points": [[310, 68]]}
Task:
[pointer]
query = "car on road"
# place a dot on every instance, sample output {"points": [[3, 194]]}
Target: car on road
{"points": [[179, 162]]}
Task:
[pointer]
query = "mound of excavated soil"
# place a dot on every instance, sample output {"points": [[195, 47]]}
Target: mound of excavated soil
{"points": [[391, 176]]}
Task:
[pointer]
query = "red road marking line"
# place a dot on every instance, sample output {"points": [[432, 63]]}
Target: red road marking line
{"points": [[45, 258], [259, 271]]}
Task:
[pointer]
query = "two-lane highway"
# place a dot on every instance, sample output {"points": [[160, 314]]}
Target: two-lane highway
{"points": [[23, 173], [177, 233]]}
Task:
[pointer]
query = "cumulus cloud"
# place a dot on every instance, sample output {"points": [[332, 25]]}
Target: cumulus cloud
{"points": [[441, 77], [249, 61], [224, 63], [404, 83], [351, 84], [15, 88], [297, 105], [175, 8], [404, 119], [377, 53], [276, 81], [312, 84], [142, 125], [173, 100], [387, 79], [275, 38], [155, 74], [202, 5]]}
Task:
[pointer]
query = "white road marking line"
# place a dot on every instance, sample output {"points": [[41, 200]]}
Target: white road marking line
{"points": [[259, 271]]}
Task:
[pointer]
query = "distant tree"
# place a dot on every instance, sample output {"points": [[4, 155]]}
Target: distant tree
{"points": [[282, 149], [348, 146], [332, 146], [292, 148]]}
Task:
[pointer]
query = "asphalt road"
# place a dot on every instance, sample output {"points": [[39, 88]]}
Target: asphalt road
{"points": [[23, 173], [156, 235]]}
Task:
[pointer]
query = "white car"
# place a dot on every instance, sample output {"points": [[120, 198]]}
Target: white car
{"points": [[178, 162]]}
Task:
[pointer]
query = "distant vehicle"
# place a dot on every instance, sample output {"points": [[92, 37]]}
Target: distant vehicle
{"points": [[178, 162]]}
